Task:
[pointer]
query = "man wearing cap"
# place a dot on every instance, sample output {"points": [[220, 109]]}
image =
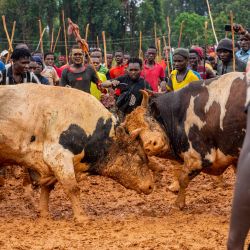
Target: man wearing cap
{"points": [[181, 76], [225, 54]]}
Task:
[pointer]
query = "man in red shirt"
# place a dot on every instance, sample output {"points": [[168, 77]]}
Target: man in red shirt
{"points": [[153, 72], [119, 69]]}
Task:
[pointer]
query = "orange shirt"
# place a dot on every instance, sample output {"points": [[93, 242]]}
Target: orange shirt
{"points": [[117, 71]]}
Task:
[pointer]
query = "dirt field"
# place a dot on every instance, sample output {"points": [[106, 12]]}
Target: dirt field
{"points": [[119, 218]]}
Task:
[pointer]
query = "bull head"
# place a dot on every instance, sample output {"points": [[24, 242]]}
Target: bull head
{"points": [[141, 123]]}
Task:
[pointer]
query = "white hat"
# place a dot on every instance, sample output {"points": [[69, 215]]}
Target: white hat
{"points": [[4, 53]]}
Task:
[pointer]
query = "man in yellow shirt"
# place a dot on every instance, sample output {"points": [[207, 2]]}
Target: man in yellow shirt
{"points": [[181, 76]]}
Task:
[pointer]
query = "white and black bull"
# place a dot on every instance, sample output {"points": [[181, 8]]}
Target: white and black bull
{"points": [[57, 131], [204, 124]]}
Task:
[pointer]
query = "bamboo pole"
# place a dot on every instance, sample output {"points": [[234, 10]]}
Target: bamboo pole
{"points": [[52, 39], [97, 42], [232, 29], [159, 49], [87, 32], [155, 34], [40, 34], [169, 40], [212, 23], [41, 37], [6, 32], [166, 54], [180, 36], [205, 51], [105, 48], [57, 37], [140, 46], [11, 41], [65, 38]]}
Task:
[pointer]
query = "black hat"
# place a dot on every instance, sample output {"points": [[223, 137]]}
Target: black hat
{"points": [[225, 44]]}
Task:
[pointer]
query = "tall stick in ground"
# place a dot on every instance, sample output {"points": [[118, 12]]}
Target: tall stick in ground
{"points": [[65, 37], [212, 23], [232, 29]]}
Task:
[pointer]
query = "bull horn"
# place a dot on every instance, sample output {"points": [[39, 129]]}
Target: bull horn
{"points": [[145, 98], [135, 133]]}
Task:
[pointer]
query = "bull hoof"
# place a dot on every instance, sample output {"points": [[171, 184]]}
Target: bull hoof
{"points": [[180, 203], [174, 187]]}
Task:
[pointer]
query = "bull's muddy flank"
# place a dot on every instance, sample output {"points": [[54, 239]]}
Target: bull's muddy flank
{"points": [[95, 146]]}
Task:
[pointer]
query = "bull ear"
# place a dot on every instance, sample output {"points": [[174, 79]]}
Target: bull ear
{"points": [[145, 98], [135, 133]]}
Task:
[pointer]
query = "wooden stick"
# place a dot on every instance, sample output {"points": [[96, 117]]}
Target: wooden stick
{"points": [[212, 23], [140, 46], [232, 29], [11, 40], [180, 36], [57, 37], [105, 48], [97, 42], [6, 32], [169, 39], [159, 49], [52, 39], [40, 32], [39, 43], [205, 51], [87, 32], [65, 38], [155, 32], [166, 54]]}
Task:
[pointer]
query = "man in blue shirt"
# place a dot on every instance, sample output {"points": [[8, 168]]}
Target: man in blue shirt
{"points": [[244, 52]]}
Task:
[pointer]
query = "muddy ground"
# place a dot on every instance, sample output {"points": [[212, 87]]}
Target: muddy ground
{"points": [[119, 218]]}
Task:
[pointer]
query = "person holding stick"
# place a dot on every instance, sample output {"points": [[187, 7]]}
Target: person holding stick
{"points": [[77, 75]]}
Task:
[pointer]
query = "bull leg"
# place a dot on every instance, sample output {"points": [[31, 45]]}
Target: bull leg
{"points": [[184, 178], [61, 163], [44, 201]]}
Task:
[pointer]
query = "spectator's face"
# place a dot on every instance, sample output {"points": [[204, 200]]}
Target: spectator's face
{"points": [[134, 70], [224, 55], [151, 54], [77, 56], [97, 54], [119, 58], [180, 63], [49, 60], [125, 59], [61, 60], [109, 59], [193, 60], [244, 43], [22, 65], [39, 69], [32, 66], [96, 62]]}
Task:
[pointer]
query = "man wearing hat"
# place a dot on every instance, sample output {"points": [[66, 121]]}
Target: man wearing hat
{"points": [[225, 54], [181, 76]]}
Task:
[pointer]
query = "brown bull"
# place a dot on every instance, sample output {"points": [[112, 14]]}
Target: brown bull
{"points": [[55, 130]]}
